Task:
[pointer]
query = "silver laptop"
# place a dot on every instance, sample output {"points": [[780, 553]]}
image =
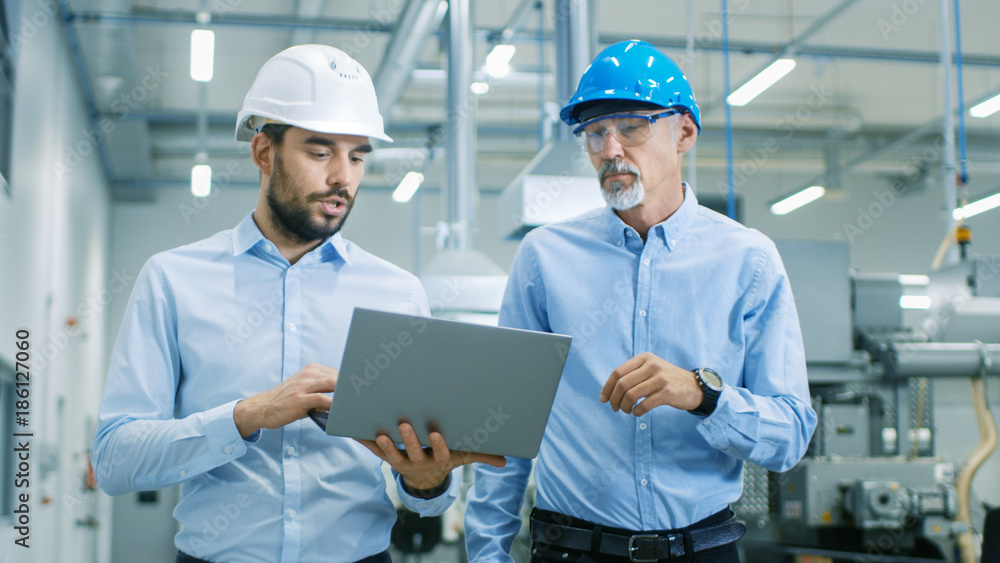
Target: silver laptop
{"points": [[484, 388]]}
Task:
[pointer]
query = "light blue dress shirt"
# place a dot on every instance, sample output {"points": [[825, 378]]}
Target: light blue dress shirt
{"points": [[223, 319], [703, 291]]}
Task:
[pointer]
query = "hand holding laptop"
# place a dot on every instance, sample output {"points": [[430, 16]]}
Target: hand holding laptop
{"points": [[425, 468]]}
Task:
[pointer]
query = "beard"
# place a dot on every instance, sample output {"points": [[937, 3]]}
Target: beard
{"points": [[293, 214], [617, 194]]}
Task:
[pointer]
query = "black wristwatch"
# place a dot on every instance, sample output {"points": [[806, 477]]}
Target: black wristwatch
{"points": [[427, 494], [711, 383]]}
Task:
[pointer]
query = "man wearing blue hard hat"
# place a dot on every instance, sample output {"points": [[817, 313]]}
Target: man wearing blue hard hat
{"points": [[687, 357]]}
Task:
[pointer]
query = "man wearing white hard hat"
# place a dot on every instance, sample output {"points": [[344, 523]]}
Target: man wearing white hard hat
{"points": [[195, 397]]}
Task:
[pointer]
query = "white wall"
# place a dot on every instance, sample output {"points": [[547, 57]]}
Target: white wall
{"points": [[54, 255]]}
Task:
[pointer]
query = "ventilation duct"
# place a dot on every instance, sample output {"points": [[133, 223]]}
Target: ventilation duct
{"points": [[559, 182]]}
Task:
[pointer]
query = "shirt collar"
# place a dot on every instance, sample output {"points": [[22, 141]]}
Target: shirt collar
{"points": [[671, 230], [247, 235]]}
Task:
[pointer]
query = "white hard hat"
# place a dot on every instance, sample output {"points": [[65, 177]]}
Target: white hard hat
{"points": [[314, 87]]}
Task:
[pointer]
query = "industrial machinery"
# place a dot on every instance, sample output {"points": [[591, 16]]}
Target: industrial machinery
{"points": [[872, 487]]}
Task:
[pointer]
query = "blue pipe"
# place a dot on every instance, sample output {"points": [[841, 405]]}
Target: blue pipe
{"points": [[963, 175], [730, 180]]}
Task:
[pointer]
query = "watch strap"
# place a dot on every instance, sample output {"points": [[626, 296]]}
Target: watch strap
{"points": [[710, 398]]}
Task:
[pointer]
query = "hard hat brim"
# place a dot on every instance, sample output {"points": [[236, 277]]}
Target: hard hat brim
{"points": [[245, 133]]}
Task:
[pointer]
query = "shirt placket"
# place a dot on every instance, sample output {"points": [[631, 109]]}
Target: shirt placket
{"points": [[292, 352], [643, 453]]}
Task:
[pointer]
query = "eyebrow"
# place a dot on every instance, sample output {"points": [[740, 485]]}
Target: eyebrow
{"points": [[317, 140]]}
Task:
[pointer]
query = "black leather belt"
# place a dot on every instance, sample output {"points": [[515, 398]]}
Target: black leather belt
{"points": [[640, 548], [377, 558]]}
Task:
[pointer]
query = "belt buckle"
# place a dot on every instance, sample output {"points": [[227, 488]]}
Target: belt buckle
{"points": [[632, 548]]}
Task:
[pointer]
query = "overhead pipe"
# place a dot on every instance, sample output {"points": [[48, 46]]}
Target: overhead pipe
{"points": [[461, 145], [730, 179], [909, 138], [544, 123], [948, 131], [419, 19], [963, 175], [692, 174], [189, 17], [514, 22], [791, 47], [575, 48], [305, 9], [85, 86]]}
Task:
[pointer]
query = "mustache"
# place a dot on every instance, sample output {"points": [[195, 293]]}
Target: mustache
{"points": [[615, 166], [338, 192]]}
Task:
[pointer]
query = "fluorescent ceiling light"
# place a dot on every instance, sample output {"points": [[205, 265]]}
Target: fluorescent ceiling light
{"points": [[201, 180], [797, 200], [202, 54], [915, 302], [761, 82], [498, 61], [407, 187], [909, 279], [479, 88], [977, 207], [989, 107]]}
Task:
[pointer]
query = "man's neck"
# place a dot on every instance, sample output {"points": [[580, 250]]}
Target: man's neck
{"points": [[289, 247], [652, 211]]}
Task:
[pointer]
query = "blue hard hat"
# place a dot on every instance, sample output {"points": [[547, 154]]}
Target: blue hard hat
{"points": [[633, 72]]}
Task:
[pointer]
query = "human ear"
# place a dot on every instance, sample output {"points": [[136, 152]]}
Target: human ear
{"points": [[262, 150], [686, 134]]}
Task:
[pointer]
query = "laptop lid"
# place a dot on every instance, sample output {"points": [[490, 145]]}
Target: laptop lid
{"points": [[484, 388]]}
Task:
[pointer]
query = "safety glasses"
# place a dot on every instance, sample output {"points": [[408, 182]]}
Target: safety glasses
{"points": [[628, 129]]}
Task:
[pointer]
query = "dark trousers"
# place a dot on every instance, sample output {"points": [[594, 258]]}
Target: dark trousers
{"points": [[377, 558], [544, 552]]}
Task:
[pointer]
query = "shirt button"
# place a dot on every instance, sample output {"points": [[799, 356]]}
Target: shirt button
{"points": [[268, 247], [183, 473], [291, 450], [642, 313], [642, 426], [619, 243], [229, 449], [644, 482], [672, 242], [291, 514], [646, 261], [292, 327]]}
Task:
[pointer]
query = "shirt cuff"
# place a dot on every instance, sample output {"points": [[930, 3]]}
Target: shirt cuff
{"points": [[713, 427], [430, 506], [222, 434]]}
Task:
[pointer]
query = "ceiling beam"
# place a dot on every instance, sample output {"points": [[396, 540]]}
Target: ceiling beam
{"points": [[152, 16]]}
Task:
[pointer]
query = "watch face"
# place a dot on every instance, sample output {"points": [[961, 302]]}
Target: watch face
{"points": [[711, 377]]}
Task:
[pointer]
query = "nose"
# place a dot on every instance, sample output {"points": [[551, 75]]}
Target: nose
{"points": [[612, 148], [340, 172]]}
